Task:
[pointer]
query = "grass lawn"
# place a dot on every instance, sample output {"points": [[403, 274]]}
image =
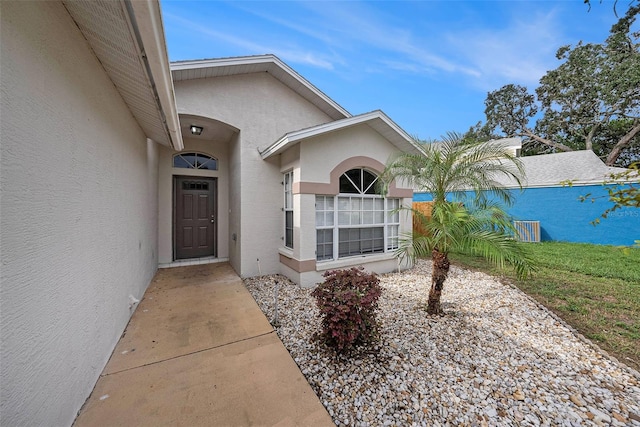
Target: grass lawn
{"points": [[595, 289]]}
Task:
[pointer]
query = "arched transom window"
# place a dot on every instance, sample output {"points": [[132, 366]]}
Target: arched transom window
{"points": [[358, 181], [358, 221], [195, 161]]}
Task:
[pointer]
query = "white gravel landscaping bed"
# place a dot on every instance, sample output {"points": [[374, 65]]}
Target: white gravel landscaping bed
{"points": [[495, 358]]}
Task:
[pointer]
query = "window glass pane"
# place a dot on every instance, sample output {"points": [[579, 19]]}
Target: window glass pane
{"points": [[320, 237], [378, 217], [190, 158], [324, 246], [356, 202], [288, 235], [355, 175], [328, 218], [206, 162], [379, 204], [343, 203], [320, 219], [367, 217], [343, 218], [359, 241], [367, 204], [392, 237], [368, 184], [329, 203], [179, 162], [349, 183], [355, 218]]}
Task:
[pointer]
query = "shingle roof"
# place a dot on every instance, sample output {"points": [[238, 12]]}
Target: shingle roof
{"points": [[550, 170]]}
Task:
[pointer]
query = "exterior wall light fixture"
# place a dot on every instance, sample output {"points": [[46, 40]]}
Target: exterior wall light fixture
{"points": [[196, 130]]}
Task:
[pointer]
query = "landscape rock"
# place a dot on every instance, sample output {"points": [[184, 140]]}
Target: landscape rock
{"points": [[495, 358]]}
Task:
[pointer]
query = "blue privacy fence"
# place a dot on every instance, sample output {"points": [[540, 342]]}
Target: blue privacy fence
{"points": [[563, 217]]}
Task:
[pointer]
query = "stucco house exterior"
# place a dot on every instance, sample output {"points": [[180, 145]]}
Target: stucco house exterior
{"points": [[284, 153], [115, 162], [552, 188]]}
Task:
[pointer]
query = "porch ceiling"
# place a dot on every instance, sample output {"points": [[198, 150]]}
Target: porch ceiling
{"points": [[213, 130], [128, 39]]}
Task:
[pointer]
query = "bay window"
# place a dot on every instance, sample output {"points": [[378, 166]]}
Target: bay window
{"points": [[358, 221]]}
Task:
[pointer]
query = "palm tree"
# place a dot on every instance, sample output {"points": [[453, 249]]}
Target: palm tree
{"points": [[478, 226]]}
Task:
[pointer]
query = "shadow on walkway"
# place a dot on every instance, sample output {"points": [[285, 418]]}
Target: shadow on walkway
{"points": [[198, 351]]}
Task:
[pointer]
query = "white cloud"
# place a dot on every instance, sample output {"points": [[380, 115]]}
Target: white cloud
{"points": [[519, 52], [292, 55]]}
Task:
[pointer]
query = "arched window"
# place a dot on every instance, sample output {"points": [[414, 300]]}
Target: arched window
{"points": [[358, 221], [195, 161], [358, 181]]}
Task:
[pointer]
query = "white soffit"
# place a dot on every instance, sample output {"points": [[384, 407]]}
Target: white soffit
{"points": [[377, 120], [128, 40], [207, 68]]}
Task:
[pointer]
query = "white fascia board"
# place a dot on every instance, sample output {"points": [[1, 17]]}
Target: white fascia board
{"points": [[220, 62], [148, 19], [310, 86], [292, 138]]}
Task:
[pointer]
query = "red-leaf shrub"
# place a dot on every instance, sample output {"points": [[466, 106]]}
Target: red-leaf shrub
{"points": [[347, 300]]}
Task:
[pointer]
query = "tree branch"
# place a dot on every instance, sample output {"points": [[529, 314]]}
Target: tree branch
{"points": [[548, 142], [624, 142]]}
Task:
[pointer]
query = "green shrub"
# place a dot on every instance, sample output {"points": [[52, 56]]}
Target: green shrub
{"points": [[348, 300]]}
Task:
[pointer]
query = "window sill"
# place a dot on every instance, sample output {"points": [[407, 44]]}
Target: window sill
{"points": [[353, 261], [288, 252]]}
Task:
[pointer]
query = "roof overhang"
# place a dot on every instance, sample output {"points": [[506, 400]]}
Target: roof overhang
{"points": [[208, 68], [127, 37], [377, 120]]}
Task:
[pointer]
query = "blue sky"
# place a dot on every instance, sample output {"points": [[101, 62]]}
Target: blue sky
{"points": [[426, 64]]}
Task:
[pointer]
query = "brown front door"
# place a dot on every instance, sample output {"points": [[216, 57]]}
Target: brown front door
{"points": [[194, 217]]}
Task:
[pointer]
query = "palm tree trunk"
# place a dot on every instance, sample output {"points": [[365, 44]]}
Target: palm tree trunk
{"points": [[439, 273]]}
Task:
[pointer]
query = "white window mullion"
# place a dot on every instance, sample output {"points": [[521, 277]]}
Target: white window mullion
{"points": [[386, 220], [336, 227]]}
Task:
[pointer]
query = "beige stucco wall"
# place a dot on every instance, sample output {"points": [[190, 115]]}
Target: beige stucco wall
{"points": [[263, 109], [78, 215], [217, 149], [319, 155], [312, 161]]}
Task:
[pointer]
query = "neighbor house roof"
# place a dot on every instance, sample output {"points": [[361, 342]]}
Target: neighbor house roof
{"points": [[205, 68], [550, 170], [377, 120], [128, 40]]}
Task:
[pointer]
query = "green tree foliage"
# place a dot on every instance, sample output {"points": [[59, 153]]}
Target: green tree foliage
{"points": [[478, 227], [591, 101], [623, 190]]}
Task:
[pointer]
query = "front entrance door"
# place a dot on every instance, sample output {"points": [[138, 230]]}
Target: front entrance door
{"points": [[194, 217]]}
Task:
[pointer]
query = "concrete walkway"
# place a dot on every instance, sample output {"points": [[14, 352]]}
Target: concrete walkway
{"points": [[199, 352]]}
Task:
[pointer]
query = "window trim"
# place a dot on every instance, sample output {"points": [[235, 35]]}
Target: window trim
{"points": [[287, 182], [197, 154]]}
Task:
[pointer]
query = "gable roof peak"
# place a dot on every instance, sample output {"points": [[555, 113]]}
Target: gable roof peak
{"points": [[211, 68]]}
